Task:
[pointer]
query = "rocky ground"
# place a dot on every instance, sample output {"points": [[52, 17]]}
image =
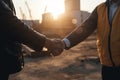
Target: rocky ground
{"points": [[79, 63]]}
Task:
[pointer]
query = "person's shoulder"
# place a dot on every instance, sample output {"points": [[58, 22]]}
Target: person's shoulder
{"points": [[102, 4]]}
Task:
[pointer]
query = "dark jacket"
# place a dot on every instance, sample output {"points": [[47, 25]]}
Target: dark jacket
{"points": [[13, 33]]}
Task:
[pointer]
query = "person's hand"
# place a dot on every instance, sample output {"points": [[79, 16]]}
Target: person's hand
{"points": [[54, 46], [58, 47]]}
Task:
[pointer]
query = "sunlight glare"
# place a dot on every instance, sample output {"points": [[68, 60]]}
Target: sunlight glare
{"points": [[56, 7]]}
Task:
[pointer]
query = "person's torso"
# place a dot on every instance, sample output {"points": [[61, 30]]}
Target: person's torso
{"points": [[108, 36], [10, 49]]}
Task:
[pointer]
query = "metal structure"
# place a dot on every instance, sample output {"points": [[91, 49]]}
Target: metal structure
{"points": [[72, 8], [22, 14]]}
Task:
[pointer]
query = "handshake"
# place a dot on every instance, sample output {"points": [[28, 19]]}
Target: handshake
{"points": [[54, 46]]}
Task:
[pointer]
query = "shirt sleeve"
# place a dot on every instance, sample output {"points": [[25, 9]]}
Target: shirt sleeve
{"points": [[66, 42]]}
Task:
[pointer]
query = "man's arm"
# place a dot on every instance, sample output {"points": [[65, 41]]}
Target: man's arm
{"points": [[82, 32], [12, 28]]}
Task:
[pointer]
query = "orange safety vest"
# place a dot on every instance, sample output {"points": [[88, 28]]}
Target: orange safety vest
{"points": [[108, 37]]}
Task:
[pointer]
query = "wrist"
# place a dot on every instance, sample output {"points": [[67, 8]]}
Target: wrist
{"points": [[47, 42], [66, 43]]}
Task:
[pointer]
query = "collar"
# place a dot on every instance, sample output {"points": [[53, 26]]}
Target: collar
{"points": [[111, 2]]}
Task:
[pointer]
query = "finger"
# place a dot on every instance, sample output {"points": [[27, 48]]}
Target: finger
{"points": [[57, 52]]}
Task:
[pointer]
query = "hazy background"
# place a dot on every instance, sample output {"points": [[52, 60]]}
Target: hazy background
{"points": [[54, 6]]}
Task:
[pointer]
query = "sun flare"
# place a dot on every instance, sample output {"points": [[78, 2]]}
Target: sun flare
{"points": [[56, 7]]}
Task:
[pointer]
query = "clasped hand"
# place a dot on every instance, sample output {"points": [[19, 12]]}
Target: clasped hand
{"points": [[54, 46]]}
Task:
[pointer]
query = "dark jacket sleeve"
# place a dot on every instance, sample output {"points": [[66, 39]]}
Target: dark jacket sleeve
{"points": [[84, 30], [12, 28]]}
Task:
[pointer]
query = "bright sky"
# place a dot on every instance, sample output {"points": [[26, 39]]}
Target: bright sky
{"points": [[54, 6]]}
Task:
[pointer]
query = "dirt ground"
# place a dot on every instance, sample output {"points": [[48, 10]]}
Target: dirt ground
{"points": [[79, 63]]}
